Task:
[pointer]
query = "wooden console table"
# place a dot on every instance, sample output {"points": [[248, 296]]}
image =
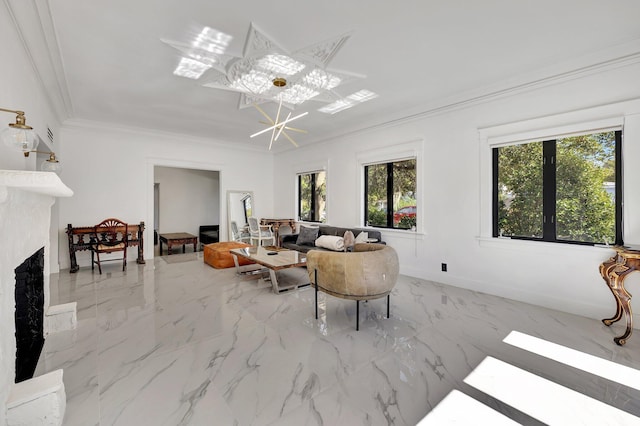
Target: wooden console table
{"points": [[178, 239], [614, 271], [80, 239], [276, 224]]}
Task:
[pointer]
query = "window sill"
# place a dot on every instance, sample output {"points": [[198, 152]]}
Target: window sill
{"points": [[398, 233], [542, 246]]}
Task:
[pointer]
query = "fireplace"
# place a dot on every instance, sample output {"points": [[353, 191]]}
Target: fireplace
{"points": [[26, 200], [29, 294]]}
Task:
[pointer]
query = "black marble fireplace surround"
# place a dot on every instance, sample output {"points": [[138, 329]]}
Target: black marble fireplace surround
{"points": [[29, 314]]}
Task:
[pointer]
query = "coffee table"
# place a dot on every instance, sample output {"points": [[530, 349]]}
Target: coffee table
{"points": [[178, 239], [283, 259]]}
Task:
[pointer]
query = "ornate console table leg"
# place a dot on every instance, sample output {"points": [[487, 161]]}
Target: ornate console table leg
{"points": [[605, 270], [614, 271], [618, 274]]}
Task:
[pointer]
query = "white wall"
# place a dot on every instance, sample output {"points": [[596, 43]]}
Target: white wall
{"points": [[20, 89], [188, 199], [555, 275], [111, 172]]}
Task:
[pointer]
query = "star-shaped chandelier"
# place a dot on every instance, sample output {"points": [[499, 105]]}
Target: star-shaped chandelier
{"points": [[278, 127], [264, 62]]}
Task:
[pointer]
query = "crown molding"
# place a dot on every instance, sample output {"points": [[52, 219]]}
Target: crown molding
{"points": [[34, 28], [99, 126], [618, 56]]}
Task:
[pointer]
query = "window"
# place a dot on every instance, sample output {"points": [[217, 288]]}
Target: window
{"points": [[560, 190], [390, 194], [312, 196]]}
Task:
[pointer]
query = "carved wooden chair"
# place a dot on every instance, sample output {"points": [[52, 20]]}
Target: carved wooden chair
{"points": [[110, 236]]}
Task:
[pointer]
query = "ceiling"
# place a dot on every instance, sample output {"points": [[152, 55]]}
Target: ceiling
{"points": [[419, 57]]}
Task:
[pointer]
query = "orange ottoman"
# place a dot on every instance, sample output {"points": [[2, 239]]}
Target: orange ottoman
{"points": [[218, 256]]}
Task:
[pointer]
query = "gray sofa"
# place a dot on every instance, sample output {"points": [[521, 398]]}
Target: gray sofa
{"points": [[290, 240]]}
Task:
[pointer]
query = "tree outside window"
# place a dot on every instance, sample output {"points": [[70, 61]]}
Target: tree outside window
{"points": [[563, 190], [390, 194], [312, 196]]}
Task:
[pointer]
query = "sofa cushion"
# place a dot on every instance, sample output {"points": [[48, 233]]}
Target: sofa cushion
{"points": [[330, 242], [290, 241], [362, 237], [307, 236]]}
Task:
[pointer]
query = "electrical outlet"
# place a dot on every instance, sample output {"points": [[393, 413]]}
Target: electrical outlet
{"points": [[444, 267]]}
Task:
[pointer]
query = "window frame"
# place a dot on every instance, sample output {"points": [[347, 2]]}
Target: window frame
{"points": [[549, 185], [313, 174], [383, 153], [390, 212]]}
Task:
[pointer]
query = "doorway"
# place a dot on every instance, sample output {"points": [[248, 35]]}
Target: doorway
{"points": [[184, 200]]}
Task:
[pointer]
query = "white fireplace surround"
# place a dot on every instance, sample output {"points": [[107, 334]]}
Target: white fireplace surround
{"points": [[26, 198]]}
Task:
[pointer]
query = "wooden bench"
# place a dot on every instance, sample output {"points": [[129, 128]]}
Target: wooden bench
{"points": [[80, 240]]}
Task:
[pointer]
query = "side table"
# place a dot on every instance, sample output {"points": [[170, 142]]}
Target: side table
{"points": [[178, 239], [614, 271]]}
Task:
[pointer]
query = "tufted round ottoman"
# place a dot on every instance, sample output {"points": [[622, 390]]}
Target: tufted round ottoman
{"points": [[218, 256]]}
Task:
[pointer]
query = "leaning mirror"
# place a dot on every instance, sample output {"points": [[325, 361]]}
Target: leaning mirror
{"points": [[239, 209]]}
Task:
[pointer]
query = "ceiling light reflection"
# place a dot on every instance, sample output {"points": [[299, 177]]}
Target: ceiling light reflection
{"points": [[298, 93], [211, 40], [348, 102], [202, 53], [280, 64], [190, 68]]}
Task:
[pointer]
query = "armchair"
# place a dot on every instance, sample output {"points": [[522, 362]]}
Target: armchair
{"points": [[109, 236], [260, 232], [369, 272]]}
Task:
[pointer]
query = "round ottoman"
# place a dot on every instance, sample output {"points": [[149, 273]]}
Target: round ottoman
{"points": [[218, 256]]}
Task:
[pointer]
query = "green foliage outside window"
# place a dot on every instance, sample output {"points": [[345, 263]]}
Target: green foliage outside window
{"points": [[584, 199], [391, 187], [312, 196]]}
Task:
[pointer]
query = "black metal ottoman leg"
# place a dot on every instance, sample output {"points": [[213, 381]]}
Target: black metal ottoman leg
{"points": [[357, 315], [316, 281]]}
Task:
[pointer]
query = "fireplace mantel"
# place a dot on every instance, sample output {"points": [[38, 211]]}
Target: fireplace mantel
{"points": [[26, 198], [44, 183]]}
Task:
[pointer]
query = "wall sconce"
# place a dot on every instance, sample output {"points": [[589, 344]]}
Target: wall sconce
{"points": [[21, 137], [49, 165]]}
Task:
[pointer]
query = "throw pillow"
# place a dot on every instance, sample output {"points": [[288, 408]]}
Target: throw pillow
{"points": [[362, 237], [307, 236], [349, 240], [330, 242]]}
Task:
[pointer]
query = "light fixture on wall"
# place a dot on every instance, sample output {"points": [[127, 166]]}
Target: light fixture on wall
{"points": [[51, 164], [21, 137], [18, 135]]}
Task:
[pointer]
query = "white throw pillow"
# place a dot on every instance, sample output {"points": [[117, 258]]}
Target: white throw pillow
{"points": [[330, 242], [362, 237]]}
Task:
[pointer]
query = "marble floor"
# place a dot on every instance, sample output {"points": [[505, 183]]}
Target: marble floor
{"points": [[176, 342]]}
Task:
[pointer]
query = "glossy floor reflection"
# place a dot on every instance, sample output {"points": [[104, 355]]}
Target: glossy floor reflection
{"points": [[176, 342]]}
